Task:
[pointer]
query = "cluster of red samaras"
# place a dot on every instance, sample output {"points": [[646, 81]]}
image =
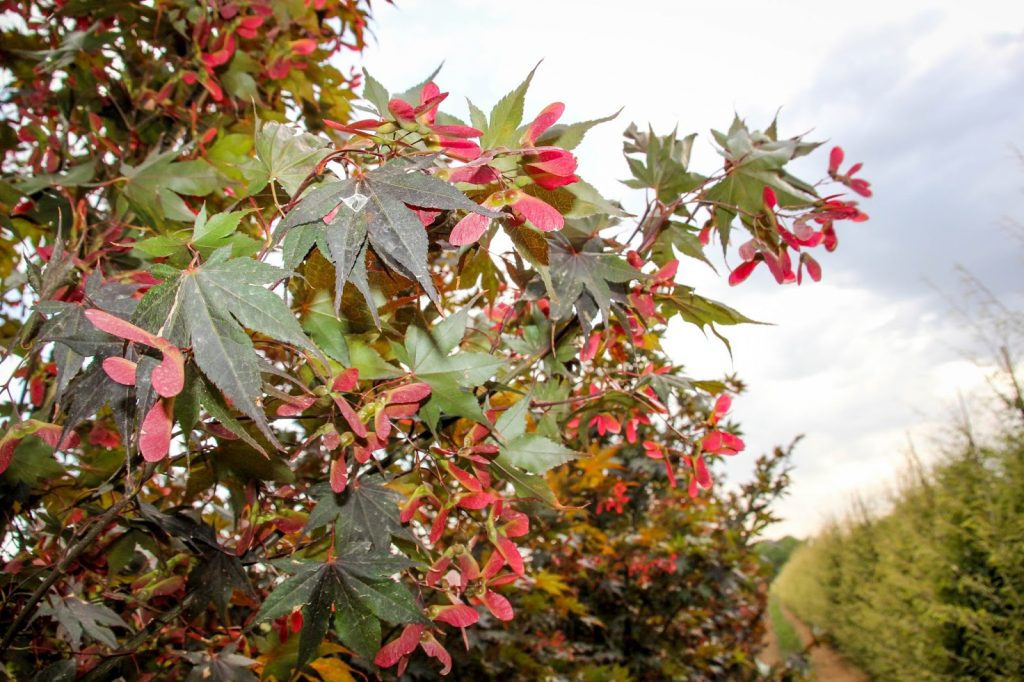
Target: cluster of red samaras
{"points": [[460, 575], [547, 166], [457, 571], [372, 419], [216, 48], [714, 442], [803, 234], [167, 379]]}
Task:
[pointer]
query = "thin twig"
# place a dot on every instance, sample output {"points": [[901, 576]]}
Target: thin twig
{"points": [[72, 554]]}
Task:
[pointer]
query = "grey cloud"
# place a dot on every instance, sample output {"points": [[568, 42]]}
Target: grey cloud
{"points": [[937, 148]]}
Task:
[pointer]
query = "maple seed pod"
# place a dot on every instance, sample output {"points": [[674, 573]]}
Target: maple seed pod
{"points": [[387, 128], [321, 391], [346, 439]]}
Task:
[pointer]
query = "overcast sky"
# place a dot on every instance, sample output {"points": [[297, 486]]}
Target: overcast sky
{"points": [[929, 95]]}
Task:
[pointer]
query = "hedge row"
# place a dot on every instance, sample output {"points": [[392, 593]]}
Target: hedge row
{"points": [[935, 588]]}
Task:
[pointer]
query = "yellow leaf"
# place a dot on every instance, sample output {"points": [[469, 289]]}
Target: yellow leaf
{"points": [[332, 670], [551, 583]]}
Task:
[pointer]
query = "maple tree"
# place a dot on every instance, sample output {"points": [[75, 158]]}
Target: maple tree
{"points": [[298, 374]]}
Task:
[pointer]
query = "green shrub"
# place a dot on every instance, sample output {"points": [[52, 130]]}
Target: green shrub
{"points": [[935, 588]]}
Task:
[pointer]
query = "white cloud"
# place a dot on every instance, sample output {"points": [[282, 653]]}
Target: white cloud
{"points": [[856, 372]]}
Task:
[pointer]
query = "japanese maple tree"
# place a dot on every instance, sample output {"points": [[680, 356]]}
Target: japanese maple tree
{"points": [[299, 372]]}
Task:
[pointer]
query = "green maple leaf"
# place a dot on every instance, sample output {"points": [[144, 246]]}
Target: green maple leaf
{"points": [[536, 454], [502, 126], [357, 585], [429, 359], [367, 510], [684, 238], [452, 376], [375, 93], [588, 272], [153, 187], [208, 235], [80, 618], [288, 156], [74, 177], [207, 308], [756, 159], [526, 485], [569, 136], [371, 212], [703, 312], [523, 457]]}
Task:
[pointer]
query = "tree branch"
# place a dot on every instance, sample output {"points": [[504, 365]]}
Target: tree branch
{"points": [[72, 554]]}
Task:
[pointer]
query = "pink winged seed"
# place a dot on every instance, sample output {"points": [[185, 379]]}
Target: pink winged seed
{"points": [[168, 377], [155, 434], [543, 215], [121, 370], [469, 229], [545, 119], [111, 324]]}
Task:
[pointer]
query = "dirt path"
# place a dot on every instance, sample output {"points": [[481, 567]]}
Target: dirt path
{"points": [[770, 654], [826, 663]]}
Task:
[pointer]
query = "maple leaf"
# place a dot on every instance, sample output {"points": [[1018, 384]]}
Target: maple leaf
{"points": [[523, 457], [215, 578], [153, 187], [357, 586], [226, 666], [287, 156], [536, 454], [208, 307], [703, 312], [664, 166], [209, 233], [75, 337], [78, 618], [451, 376], [755, 160], [367, 510], [89, 392], [569, 136], [342, 218], [586, 276], [501, 128]]}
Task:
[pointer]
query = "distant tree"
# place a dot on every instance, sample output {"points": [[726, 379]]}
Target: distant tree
{"points": [[777, 552]]}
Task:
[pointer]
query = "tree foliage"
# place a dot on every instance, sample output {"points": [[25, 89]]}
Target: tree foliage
{"points": [[302, 391], [643, 583]]}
